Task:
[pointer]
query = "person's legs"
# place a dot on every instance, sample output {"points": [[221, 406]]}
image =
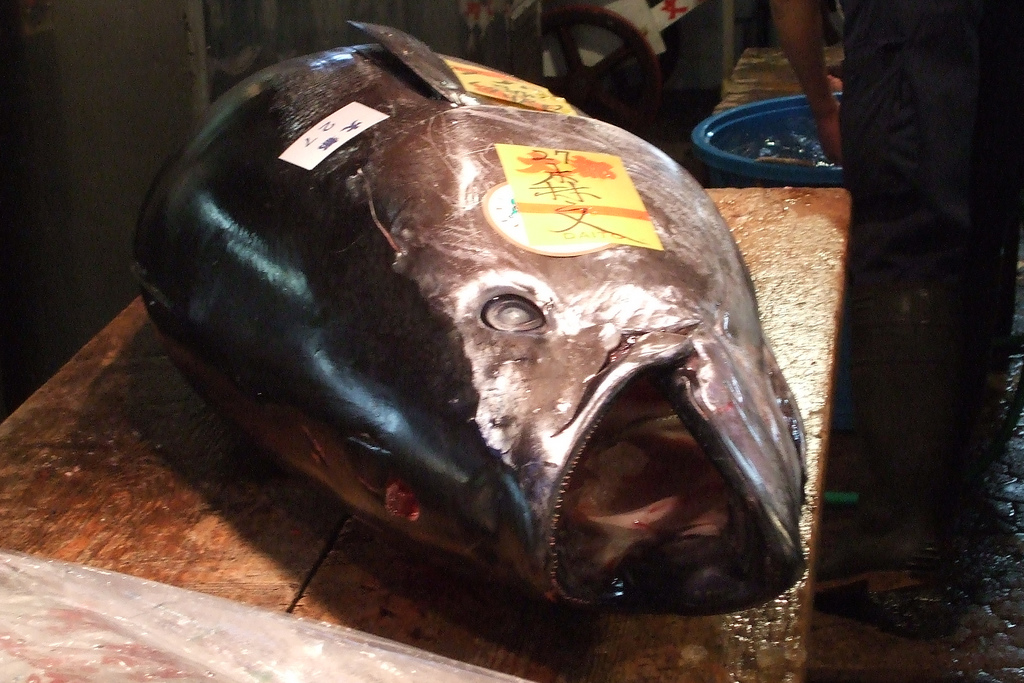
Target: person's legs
{"points": [[906, 353], [909, 106], [910, 77]]}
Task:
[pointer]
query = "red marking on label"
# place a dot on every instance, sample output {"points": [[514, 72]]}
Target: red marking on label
{"points": [[669, 8], [473, 10], [588, 168], [400, 501]]}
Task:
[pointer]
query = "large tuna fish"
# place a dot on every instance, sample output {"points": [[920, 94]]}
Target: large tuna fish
{"points": [[598, 418]]}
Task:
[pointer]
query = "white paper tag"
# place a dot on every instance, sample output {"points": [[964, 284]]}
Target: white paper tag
{"points": [[669, 12], [318, 142]]}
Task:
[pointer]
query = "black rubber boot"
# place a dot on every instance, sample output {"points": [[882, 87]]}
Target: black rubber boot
{"points": [[906, 370], [888, 569]]}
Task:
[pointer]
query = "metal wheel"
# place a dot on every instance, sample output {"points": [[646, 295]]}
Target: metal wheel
{"points": [[620, 83]]}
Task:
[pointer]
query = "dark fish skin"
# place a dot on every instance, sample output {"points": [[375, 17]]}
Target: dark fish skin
{"points": [[335, 313]]}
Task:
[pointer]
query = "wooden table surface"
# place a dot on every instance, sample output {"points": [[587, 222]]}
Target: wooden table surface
{"points": [[116, 463]]}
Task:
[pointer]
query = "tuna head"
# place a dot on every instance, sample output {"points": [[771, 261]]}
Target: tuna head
{"points": [[629, 389], [603, 422]]}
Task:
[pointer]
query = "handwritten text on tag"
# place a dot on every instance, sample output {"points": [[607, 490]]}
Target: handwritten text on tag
{"points": [[318, 142]]}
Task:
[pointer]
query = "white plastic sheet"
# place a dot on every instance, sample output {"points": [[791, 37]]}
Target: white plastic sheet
{"points": [[63, 623]]}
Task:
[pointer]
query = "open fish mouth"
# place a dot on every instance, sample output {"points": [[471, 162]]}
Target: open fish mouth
{"points": [[668, 508]]}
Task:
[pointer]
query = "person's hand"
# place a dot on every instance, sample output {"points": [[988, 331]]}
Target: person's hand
{"points": [[826, 116]]}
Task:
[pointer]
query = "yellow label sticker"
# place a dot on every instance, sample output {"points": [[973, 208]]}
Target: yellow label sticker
{"points": [[509, 89], [570, 202]]}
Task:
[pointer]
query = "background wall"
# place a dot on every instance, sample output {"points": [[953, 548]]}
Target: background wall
{"points": [[100, 91], [10, 45]]}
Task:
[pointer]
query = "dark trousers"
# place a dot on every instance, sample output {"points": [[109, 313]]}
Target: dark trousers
{"points": [[932, 118]]}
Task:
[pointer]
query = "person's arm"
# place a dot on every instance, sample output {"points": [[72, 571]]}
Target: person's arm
{"points": [[798, 23]]}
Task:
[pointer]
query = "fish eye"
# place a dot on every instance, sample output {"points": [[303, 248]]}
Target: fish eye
{"points": [[512, 313], [728, 325], [741, 326]]}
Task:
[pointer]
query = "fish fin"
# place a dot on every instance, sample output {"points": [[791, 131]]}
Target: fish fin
{"points": [[420, 59]]}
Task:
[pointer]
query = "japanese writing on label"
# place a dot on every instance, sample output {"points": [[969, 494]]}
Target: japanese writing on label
{"points": [[478, 14], [669, 12], [499, 86], [317, 143], [567, 197]]}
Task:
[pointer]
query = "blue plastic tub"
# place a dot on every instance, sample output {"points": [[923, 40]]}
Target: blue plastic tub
{"points": [[732, 142]]}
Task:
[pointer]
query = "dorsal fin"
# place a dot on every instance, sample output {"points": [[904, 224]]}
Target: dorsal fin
{"points": [[416, 55]]}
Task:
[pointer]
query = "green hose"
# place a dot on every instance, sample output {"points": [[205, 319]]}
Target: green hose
{"points": [[841, 498]]}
